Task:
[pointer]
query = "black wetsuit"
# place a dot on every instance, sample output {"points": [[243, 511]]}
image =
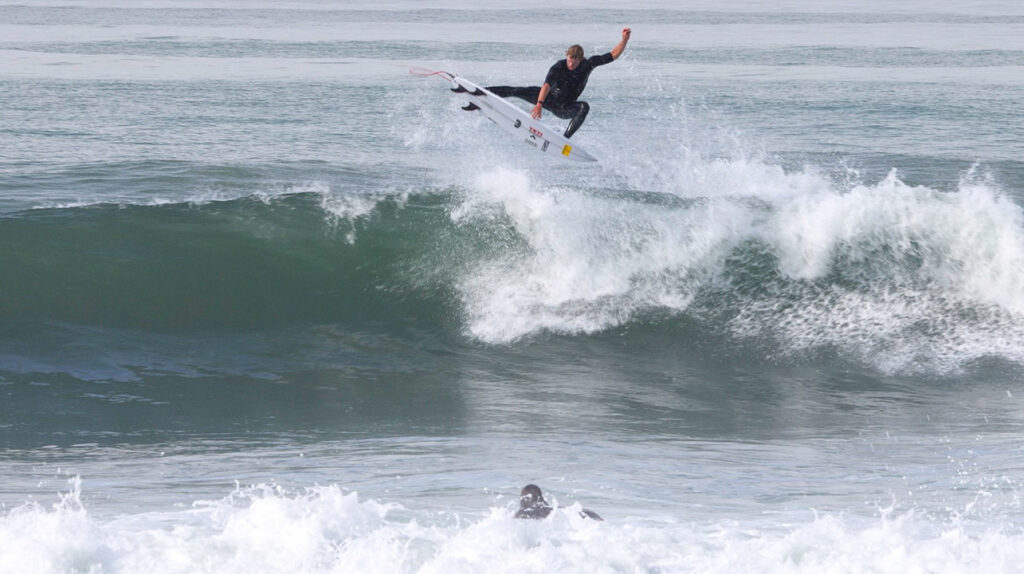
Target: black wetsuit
{"points": [[541, 511], [538, 512], [566, 87]]}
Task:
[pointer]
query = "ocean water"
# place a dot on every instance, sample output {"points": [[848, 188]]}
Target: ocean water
{"points": [[270, 303]]}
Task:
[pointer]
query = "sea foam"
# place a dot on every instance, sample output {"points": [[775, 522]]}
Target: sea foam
{"points": [[268, 529], [906, 277]]}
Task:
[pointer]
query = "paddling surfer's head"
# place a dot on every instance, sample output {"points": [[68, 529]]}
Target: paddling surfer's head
{"points": [[531, 496], [532, 503]]}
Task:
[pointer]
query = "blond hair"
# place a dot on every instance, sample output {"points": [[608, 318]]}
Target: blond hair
{"points": [[574, 51]]}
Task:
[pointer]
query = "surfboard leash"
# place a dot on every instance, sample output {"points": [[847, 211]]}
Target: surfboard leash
{"points": [[425, 72]]}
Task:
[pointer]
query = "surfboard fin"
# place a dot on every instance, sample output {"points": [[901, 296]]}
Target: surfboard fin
{"points": [[470, 107], [460, 89]]}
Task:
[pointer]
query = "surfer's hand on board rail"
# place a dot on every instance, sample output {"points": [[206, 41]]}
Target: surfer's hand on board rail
{"points": [[535, 112]]}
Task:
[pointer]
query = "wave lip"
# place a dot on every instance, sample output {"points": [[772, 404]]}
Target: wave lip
{"points": [[586, 263], [904, 277]]}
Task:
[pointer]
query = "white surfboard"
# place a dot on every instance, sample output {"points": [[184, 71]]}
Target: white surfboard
{"points": [[517, 121], [511, 118]]}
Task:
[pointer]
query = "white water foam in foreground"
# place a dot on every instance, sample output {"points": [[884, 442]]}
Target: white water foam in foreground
{"points": [[266, 529]]}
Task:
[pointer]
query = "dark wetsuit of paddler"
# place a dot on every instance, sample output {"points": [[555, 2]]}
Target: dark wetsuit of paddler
{"points": [[564, 84], [532, 505]]}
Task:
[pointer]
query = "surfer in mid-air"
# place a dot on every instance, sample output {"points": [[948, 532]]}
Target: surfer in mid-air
{"points": [[564, 84]]}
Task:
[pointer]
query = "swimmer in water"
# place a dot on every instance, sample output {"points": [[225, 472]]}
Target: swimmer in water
{"points": [[532, 505]]}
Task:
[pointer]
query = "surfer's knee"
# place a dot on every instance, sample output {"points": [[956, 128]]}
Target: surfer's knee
{"points": [[582, 109]]}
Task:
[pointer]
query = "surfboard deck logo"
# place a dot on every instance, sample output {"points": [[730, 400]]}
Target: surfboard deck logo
{"points": [[510, 117]]}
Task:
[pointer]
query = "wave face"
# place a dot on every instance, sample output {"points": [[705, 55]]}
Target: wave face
{"points": [[238, 264], [792, 263]]}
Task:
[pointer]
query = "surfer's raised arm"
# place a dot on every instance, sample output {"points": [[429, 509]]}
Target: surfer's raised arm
{"points": [[621, 47]]}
